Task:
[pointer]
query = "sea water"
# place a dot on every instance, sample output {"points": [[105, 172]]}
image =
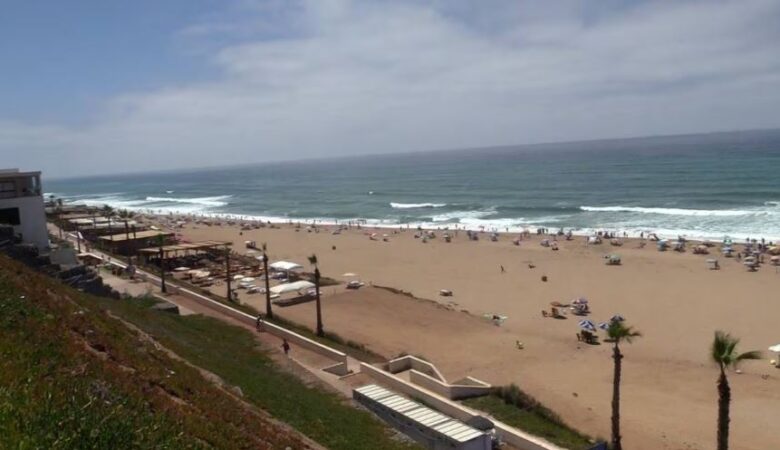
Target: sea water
{"points": [[699, 186]]}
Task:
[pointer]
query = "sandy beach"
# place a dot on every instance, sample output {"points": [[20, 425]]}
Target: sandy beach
{"points": [[669, 397]]}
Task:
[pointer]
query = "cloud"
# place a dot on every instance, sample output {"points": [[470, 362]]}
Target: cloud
{"points": [[330, 77]]}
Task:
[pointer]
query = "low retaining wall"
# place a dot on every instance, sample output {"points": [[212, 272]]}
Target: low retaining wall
{"points": [[412, 362], [450, 391], [510, 435]]}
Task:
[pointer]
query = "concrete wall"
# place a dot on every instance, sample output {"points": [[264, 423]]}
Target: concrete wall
{"points": [[32, 218], [510, 435], [425, 374], [412, 362], [450, 391]]}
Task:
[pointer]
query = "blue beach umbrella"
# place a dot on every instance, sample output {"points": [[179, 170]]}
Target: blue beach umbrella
{"points": [[587, 325], [604, 325], [617, 318]]}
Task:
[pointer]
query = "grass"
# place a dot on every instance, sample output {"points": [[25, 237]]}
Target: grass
{"points": [[514, 407], [149, 394], [232, 353], [71, 378]]}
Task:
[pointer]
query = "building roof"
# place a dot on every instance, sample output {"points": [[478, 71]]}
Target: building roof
{"points": [[447, 426], [292, 287], [193, 246], [138, 235], [14, 173]]}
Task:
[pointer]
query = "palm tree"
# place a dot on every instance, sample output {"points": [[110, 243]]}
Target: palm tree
{"points": [[724, 353], [268, 312], [124, 215], [161, 243], [618, 332], [313, 261], [227, 273], [109, 213]]}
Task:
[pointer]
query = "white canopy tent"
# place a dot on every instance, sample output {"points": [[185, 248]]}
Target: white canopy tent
{"points": [[292, 287], [285, 265]]}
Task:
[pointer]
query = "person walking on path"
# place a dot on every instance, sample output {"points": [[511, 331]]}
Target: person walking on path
{"points": [[259, 322], [286, 347]]}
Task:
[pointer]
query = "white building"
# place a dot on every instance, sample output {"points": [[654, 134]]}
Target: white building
{"points": [[21, 205]]}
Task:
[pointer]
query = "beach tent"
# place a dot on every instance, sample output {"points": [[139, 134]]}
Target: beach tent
{"points": [[292, 287], [285, 265]]}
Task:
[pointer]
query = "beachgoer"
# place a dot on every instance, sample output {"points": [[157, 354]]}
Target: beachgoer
{"points": [[259, 322], [286, 347], [502, 269]]}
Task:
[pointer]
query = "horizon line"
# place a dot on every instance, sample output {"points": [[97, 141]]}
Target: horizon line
{"points": [[519, 147]]}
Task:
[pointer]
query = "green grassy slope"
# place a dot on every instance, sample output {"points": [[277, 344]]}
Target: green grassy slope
{"points": [[71, 376]]}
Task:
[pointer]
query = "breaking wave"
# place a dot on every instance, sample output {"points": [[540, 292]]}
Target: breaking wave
{"points": [[205, 201], [416, 205], [673, 211]]}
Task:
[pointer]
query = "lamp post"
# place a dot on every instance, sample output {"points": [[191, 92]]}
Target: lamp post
{"points": [[227, 271], [268, 312]]}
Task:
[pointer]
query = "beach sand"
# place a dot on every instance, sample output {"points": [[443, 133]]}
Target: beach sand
{"points": [[669, 397]]}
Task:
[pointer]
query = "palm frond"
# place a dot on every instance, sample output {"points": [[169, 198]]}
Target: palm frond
{"points": [[618, 331], [313, 259], [724, 350]]}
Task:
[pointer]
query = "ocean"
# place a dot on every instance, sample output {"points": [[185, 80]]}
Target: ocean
{"points": [[701, 186]]}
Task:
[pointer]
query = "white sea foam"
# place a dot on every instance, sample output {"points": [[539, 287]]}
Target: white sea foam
{"points": [[461, 215], [205, 201], [416, 205], [674, 211]]}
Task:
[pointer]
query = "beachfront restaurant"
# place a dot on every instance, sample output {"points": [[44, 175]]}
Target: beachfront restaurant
{"points": [[186, 250], [184, 257], [130, 243]]}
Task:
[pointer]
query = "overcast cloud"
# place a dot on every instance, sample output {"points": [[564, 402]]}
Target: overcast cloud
{"points": [[300, 79]]}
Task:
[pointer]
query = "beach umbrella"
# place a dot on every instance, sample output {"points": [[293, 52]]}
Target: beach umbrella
{"points": [[580, 301], [617, 318], [238, 277], [604, 325], [587, 325]]}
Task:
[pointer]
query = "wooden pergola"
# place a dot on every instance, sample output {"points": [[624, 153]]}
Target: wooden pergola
{"points": [[185, 249]]}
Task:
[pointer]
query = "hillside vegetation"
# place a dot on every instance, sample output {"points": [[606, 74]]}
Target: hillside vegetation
{"points": [[73, 375]]}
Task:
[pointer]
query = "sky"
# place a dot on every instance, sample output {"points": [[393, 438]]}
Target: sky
{"points": [[96, 87]]}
